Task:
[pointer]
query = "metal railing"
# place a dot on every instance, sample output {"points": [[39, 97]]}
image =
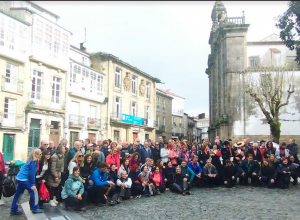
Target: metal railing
{"points": [[76, 120], [236, 20], [12, 84], [51, 103], [12, 120], [116, 116], [94, 122], [162, 128], [178, 112]]}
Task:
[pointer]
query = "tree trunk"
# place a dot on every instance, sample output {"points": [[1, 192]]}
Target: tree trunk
{"points": [[275, 129]]}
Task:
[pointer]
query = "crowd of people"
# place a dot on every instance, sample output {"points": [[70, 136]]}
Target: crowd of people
{"points": [[108, 172]]}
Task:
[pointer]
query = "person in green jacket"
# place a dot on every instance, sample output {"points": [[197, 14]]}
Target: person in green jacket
{"points": [[189, 173], [73, 193], [249, 169]]}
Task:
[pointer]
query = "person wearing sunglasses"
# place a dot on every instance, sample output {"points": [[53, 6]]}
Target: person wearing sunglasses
{"points": [[77, 160], [44, 145], [155, 152]]}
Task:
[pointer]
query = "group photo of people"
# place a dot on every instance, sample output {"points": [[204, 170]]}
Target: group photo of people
{"points": [[107, 172]]}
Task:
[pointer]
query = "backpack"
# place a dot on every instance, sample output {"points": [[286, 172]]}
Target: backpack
{"points": [[9, 188]]}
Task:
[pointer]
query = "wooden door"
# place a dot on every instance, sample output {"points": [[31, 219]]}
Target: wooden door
{"points": [[134, 136], [92, 135], [8, 146], [73, 138]]}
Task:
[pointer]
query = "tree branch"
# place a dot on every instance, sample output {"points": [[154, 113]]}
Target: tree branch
{"points": [[290, 92]]}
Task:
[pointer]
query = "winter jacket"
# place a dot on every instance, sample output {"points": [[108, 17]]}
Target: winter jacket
{"points": [[57, 166], [161, 182], [71, 154], [269, 151], [113, 175], [268, 171], [145, 153], [293, 149], [71, 166], [282, 167], [27, 172], [203, 157], [256, 156], [40, 169], [225, 154], [104, 150], [196, 168], [206, 171], [123, 152], [193, 153], [164, 155], [184, 156], [155, 153], [86, 170], [101, 157], [173, 157], [230, 171], [188, 172], [111, 159], [2, 165], [99, 179], [71, 187], [248, 168], [122, 168], [278, 153], [135, 178], [169, 172], [178, 178], [127, 182], [132, 162]]}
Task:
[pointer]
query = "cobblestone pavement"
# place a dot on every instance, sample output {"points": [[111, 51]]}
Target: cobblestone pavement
{"points": [[243, 202]]}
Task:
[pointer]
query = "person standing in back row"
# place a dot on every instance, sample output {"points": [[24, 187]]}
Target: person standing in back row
{"points": [[3, 175]]}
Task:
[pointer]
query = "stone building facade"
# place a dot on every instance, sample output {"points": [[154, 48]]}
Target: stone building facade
{"points": [[163, 120], [233, 113]]}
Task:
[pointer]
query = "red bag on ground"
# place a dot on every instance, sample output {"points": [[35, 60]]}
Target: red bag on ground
{"points": [[43, 192]]}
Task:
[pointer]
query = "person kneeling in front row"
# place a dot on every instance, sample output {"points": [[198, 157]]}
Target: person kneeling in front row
{"points": [[73, 192], [230, 173], [210, 174], [249, 169], [98, 185], [181, 184], [268, 174], [123, 189]]}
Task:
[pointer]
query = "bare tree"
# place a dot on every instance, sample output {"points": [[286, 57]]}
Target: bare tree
{"points": [[271, 89]]}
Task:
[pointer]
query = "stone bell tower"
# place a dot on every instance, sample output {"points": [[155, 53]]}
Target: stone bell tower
{"points": [[228, 57]]}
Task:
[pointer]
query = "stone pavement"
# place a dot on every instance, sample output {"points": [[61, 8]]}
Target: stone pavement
{"points": [[243, 202]]}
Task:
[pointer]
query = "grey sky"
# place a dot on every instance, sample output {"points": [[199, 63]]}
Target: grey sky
{"points": [[168, 40]]}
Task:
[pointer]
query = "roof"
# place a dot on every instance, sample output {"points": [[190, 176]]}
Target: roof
{"points": [[76, 48], [14, 17], [169, 93], [275, 50], [163, 94], [43, 9], [108, 56], [272, 37]]}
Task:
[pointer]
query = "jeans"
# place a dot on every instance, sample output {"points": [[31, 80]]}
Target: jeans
{"points": [[1, 182], [74, 202], [267, 181], [230, 182], [22, 185], [123, 193]]}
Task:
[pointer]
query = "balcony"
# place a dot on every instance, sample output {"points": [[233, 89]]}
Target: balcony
{"points": [[177, 112], [236, 20], [10, 84], [76, 121], [191, 124], [47, 103], [94, 123], [12, 120], [160, 128], [116, 117]]}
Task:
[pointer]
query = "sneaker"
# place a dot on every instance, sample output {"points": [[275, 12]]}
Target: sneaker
{"points": [[112, 203], [52, 203], [54, 200], [188, 192], [1, 202], [119, 200], [183, 194], [18, 212], [158, 192], [38, 211]]}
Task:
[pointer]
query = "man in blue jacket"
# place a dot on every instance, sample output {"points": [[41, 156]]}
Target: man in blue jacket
{"points": [[99, 185], [249, 169], [196, 168], [145, 152], [73, 151]]}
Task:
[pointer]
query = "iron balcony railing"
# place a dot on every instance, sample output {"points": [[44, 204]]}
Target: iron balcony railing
{"points": [[116, 116], [162, 128], [51, 103], [76, 120], [94, 122], [12, 84]]}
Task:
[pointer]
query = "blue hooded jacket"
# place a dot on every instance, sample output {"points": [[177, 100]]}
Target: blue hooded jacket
{"points": [[98, 179], [27, 172]]}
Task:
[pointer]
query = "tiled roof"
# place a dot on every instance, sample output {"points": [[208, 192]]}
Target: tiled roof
{"points": [[275, 50], [170, 93]]}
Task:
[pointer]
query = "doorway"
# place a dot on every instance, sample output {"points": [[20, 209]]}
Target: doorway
{"points": [[54, 133], [73, 138], [34, 134], [134, 136], [91, 136], [8, 146]]}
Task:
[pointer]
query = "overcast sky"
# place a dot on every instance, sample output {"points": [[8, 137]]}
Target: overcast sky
{"points": [[168, 40]]}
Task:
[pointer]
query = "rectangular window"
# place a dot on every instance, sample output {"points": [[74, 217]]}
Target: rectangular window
{"points": [[65, 43], [56, 90], [147, 112], [118, 108], [133, 85], [164, 104], [157, 120], [180, 130], [10, 40], [118, 79], [100, 84], [134, 110], [36, 85], [254, 61], [116, 135], [164, 121], [9, 116], [147, 90], [39, 33], [48, 37], [179, 121], [92, 111], [157, 103], [56, 41], [1, 37], [11, 73]]}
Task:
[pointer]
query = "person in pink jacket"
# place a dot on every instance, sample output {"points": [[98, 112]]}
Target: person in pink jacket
{"points": [[3, 175], [173, 155], [114, 158]]}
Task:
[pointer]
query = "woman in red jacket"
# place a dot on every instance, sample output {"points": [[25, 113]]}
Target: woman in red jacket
{"points": [[158, 181], [3, 174], [113, 158]]}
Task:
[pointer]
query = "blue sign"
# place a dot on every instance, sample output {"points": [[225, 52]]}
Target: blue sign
{"points": [[132, 119]]}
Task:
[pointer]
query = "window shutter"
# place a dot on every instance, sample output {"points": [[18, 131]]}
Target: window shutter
{"points": [[145, 112], [136, 109], [121, 108], [114, 107], [149, 112], [130, 108]]}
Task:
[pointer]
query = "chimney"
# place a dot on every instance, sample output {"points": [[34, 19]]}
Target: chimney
{"points": [[83, 46]]}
